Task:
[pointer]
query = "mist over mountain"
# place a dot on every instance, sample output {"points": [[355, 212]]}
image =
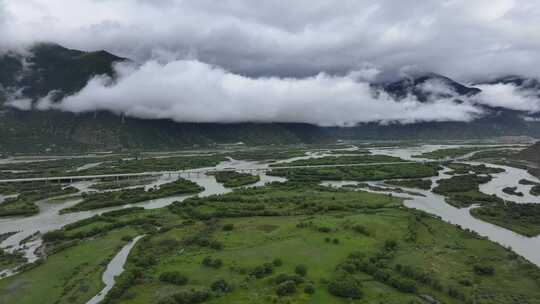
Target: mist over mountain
{"points": [[61, 99]]}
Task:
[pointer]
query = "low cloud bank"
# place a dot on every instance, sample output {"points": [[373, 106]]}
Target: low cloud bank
{"points": [[509, 96], [192, 91]]}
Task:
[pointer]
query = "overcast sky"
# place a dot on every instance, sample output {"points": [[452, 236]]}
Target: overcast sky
{"points": [[463, 39], [280, 48]]}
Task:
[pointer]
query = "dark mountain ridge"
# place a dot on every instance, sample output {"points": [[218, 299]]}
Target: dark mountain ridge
{"points": [[50, 67], [418, 87]]}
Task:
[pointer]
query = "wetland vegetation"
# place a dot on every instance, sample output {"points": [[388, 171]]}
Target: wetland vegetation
{"points": [[424, 184], [235, 179], [131, 196], [107, 165], [27, 194], [521, 218], [343, 160], [360, 173], [285, 242], [452, 152], [290, 242], [463, 190]]}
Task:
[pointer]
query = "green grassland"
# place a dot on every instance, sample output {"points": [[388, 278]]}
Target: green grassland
{"points": [[131, 196], [235, 179], [155, 164], [282, 243], [424, 184], [451, 152], [29, 194], [107, 165], [343, 160], [292, 242], [493, 155], [117, 184], [460, 168], [521, 218], [360, 173], [50, 167], [72, 275], [9, 260], [337, 235], [350, 152], [463, 190], [266, 153]]}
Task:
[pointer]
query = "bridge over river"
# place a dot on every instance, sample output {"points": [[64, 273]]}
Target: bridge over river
{"points": [[189, 173]]}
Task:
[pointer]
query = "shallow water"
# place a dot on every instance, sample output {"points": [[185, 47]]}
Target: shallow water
{"points": [[510, 178], [409, 153], [88, 166], [5, 197], [435, 204], [114, 268], [49, 219]]}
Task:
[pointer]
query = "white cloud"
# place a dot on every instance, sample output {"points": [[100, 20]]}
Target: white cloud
{"points": [[459, 38], [531, 119], [192, 91], [23, 104], [249, 60], [509, 96]]}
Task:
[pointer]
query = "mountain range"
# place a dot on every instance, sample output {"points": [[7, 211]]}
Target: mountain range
{"points": [[53, 68]]}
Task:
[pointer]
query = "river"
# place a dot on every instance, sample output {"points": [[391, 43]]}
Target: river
{"points": [[114, 268], [49, 218]]}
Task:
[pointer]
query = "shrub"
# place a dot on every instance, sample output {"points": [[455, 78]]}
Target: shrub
{"points": [[173, 277], [191, 296], [390, 245], [216, 245], [167, 300], [221, 286], [300, 270], [262, 270], [309, 289], [211, 262], [361, 229], [483, 269], [127, 238], [455, 293], [280, 278], [277, 262], [286, 288], [325, 229], [168, 244], [228, 227], [403, 285], [346, 287], [52, 236]]}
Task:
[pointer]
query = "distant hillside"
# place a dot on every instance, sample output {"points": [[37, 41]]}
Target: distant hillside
{"points": [[419, 86], [54, 131], [52, 67], [531, 154]]}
